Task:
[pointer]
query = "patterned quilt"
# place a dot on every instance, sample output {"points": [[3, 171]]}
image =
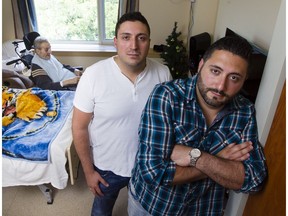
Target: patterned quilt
{"points": [[31, 119]]}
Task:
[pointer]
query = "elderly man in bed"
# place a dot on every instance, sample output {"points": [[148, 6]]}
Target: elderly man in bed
{"points": [[48, 73]]}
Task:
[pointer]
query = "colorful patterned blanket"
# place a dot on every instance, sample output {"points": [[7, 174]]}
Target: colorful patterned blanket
{"points": [[31, 119]]}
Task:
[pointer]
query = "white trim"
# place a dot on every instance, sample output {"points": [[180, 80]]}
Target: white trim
{"points": [[83, 47]]}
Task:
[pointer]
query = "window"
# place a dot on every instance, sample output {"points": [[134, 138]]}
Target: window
{"points": [[77, 21]]}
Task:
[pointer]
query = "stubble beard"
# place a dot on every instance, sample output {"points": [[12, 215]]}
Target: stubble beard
{"points": [[212, 102]]}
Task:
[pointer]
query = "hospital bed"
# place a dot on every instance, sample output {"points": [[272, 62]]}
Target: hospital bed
{"points": [[62, 162]]}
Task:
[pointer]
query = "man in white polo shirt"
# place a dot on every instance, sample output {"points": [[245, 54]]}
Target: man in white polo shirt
{"points": [[108, 104]]}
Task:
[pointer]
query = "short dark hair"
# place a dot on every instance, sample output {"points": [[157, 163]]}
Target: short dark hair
{"points": [[133, 16], [234, 44]]}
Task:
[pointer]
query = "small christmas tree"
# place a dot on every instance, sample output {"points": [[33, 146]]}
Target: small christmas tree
{"points": [[175, 55]]}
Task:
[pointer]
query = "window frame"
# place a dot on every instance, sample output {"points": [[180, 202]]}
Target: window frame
{"points": [[102, 24]]}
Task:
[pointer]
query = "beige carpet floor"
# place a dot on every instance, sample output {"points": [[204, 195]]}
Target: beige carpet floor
{"points": [[74, 200]]}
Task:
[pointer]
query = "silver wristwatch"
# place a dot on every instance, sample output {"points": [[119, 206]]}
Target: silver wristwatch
{"points": [[194, 156]]}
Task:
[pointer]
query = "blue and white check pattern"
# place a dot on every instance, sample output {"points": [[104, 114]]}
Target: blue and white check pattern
{"points": [[172, 115]]}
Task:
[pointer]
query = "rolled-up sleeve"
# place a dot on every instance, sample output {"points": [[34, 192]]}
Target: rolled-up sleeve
{"points": [[157, 139], [255, 166]]}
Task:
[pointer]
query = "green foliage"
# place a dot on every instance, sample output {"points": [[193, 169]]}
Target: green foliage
{"points": [[175, 55], [113, 17], [74, 19]]}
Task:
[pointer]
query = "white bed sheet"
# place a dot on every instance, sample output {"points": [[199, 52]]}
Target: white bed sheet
{"points": [[19, 172]]}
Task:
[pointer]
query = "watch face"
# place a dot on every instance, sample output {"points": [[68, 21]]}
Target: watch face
{"points": [[195, 152]]}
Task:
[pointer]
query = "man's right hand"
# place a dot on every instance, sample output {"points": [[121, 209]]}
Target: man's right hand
{"points": [[93, 181], [72, 81]]}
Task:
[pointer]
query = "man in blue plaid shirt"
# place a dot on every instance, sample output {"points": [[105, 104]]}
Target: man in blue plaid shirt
{"points": [[215, 130]]}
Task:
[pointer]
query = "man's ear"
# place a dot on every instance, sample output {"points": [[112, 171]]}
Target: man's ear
{"points": [[115, 41], [200, 65]]}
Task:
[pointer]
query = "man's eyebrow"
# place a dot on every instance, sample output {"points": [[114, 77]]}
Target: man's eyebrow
{"points": [[219, 68], [216, 66], [139, 34]]}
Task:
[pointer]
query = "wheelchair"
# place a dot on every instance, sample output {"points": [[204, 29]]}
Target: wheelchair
{"points": [[26, 55]]}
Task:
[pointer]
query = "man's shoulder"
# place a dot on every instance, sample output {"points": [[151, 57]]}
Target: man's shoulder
{"points": [[177, 87], [36, 69], [241, 103], [35, 66], [177, 84], [156, 64], [157, 70], [102, 62], [154, 61], [99, 65]]}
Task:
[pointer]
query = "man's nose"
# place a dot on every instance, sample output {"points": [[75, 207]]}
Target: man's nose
{"points": [[134, 43], [222, 83]]}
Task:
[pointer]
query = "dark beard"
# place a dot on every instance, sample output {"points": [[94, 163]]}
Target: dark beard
{"points": [[203, 90]]}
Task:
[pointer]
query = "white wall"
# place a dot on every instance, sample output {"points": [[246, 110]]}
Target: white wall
{"points": [[205, 16], [252, 19], [7, 21], [161, 15]]}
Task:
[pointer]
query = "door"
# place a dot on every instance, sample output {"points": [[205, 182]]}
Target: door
{"points": [[271, 200]]}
